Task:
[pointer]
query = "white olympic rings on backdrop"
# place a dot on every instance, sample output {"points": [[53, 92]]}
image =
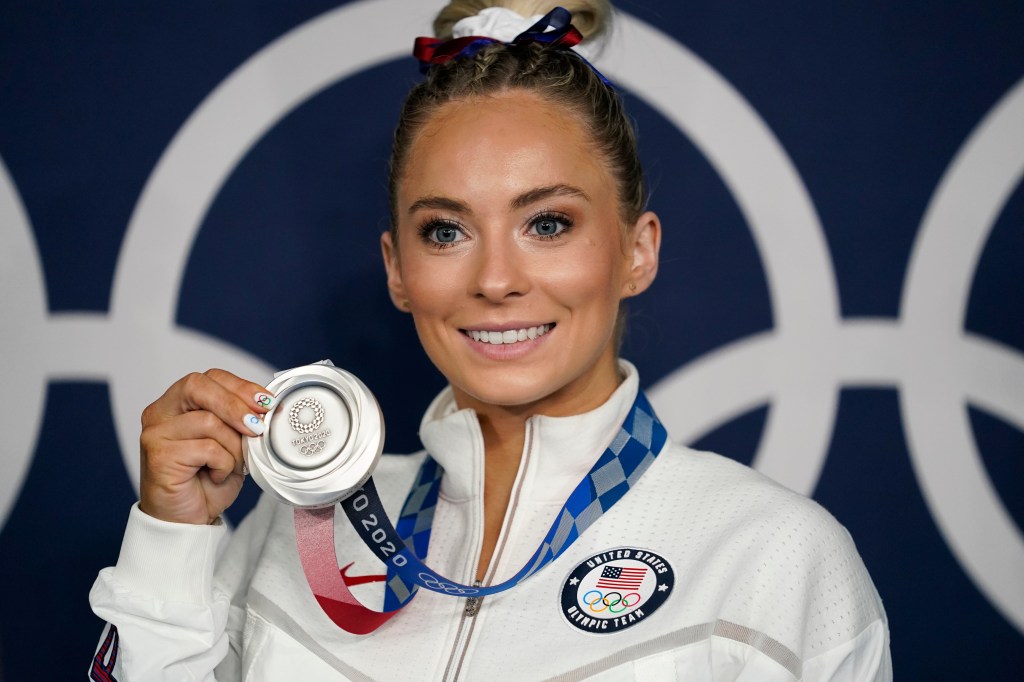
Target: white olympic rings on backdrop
{"points": [[22, 298], [917, 353], [944, 368]]}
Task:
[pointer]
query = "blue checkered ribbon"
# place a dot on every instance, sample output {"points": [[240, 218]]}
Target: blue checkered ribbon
{"points": [[631, 452]]}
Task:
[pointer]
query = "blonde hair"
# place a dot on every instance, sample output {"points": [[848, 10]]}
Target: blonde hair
{"points": [[558, 76]]}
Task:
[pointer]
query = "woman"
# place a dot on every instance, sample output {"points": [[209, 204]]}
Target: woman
{"points": [[518, 231]]}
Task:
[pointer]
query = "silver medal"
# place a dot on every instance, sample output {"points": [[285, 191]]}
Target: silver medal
{"points": [[323, 437]]}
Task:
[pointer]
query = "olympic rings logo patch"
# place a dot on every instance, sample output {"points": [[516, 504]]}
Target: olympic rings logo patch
{"points": [[598, 602], [616, 589]]}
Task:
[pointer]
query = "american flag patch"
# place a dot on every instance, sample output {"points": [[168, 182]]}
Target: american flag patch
{"points": [[621, 577]]}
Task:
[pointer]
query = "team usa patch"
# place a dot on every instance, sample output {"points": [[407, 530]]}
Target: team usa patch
{"points": [[616, 589]]}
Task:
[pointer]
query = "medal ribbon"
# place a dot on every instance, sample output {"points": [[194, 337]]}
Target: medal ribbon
{"points": [[634, 448]]}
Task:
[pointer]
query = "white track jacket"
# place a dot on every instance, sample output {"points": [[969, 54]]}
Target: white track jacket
{"points": [[705, 570]]}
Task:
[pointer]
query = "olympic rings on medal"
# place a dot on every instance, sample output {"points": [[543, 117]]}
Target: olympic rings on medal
{"points": [[433, 583], [313, 448], [306, 427], [608, 602]]}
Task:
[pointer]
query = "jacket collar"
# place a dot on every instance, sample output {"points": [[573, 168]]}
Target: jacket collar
{"points": [[558, 451]]}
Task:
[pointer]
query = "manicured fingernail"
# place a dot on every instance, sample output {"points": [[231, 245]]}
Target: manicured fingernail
{"points": [[265, 400], [245, 468], [253, 423]]}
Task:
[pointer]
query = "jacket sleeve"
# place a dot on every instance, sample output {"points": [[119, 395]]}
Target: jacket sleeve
{"points": [[865, 658], [850, 622], [169, 616]]}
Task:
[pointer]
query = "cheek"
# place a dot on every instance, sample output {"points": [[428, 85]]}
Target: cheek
{"points": [[426, 287], [429, 279], [436, 291], [589, 278]]}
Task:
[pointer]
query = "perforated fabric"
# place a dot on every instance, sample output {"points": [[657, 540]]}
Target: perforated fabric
{"points": [[768, 586]]}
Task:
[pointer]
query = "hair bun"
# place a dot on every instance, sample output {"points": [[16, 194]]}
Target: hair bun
{"points": [[590, 17]]}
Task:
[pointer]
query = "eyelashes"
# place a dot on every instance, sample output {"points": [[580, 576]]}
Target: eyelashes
{"points": [[442, 233], [549, 225]]}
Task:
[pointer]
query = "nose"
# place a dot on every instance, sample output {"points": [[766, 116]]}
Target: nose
{"points": [[500, 271]]}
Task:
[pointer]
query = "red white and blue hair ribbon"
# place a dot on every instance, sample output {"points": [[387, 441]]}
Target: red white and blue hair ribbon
{"points": [[554, 29]]}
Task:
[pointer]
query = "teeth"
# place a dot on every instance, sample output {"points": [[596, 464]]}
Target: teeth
{"points": [[510, 336]]}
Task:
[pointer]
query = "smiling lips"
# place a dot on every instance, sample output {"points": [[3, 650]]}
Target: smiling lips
{"points": [[509, 336]]}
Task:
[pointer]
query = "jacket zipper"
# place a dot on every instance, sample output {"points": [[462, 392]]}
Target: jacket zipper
{"points": [[470, 609], [473, 604]]}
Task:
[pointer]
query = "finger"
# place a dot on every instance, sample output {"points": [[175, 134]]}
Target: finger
{"points": [[259, 396], [189, 481], [218, 496], [201, 392], [221, 463], [195, 425], [181, 459]]}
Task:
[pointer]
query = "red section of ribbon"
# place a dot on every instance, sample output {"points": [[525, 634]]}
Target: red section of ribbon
{"points": [[435, 51], [314, 535], [351, 580]]}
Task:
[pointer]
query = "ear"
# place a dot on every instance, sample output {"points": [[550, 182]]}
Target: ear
{"points": [[643, 243], [396, 288]]}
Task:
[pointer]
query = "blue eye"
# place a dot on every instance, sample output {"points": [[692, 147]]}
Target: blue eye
{"points": [[550, 226], [446, 234], [442, 233], [546, 227]]}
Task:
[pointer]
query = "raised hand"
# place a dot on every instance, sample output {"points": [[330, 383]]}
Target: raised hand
{"points": [[191, 442]]}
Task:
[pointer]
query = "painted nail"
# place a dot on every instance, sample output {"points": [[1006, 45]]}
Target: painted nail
{"points": [[265, 400], [253, 423], [245, 468]]}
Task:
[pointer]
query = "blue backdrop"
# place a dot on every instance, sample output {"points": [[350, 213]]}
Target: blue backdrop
{"points": [[196, 184]]}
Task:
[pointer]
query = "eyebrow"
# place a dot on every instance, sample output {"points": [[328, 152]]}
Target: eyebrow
{"points": [[540, 193], [443, 203], [521, 201]]}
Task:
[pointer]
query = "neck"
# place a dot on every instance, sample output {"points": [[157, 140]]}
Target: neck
{"points": [[504, 436], [504, 433]]}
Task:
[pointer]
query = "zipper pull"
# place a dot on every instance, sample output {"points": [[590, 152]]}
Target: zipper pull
{"points": [[472, 606], [473, 603]]}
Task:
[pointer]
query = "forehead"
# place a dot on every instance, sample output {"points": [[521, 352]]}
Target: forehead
{"points": [[501, 144]]}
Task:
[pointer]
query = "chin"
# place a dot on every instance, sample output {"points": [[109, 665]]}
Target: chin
{"points": [[542, 391], [550, 384], [507, 393]]}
